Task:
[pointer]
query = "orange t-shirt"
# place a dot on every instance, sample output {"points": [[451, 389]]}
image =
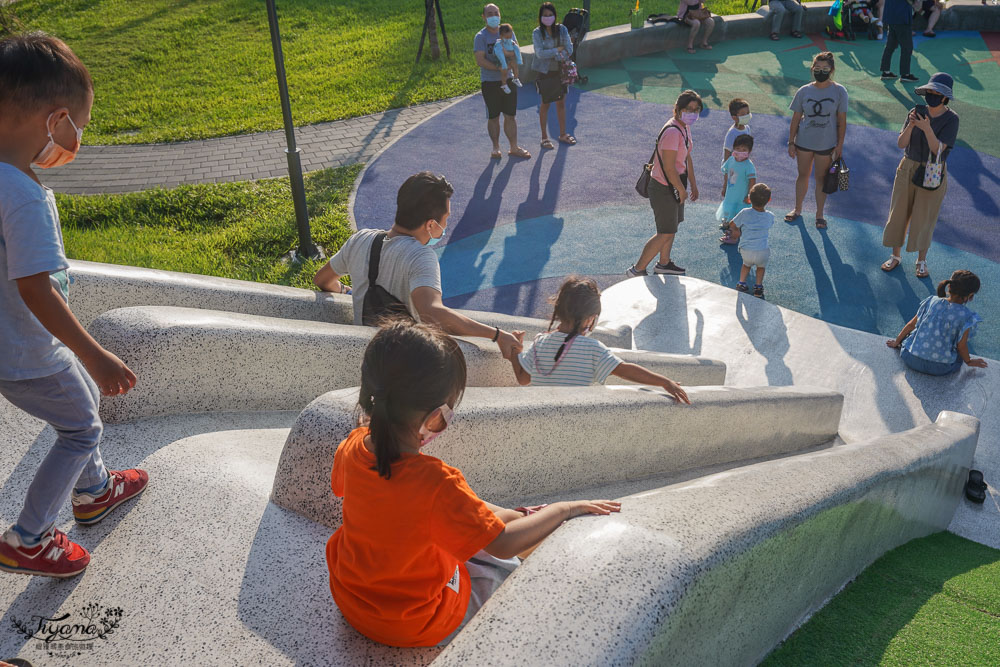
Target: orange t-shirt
{"points": [[397, 563]]}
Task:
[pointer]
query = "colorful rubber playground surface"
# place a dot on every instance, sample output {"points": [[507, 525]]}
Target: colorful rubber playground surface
{"points": [[518, 226]]}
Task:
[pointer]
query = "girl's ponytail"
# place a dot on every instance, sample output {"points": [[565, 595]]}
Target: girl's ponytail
{"points": [[383, 434], [942, 290], [962, 284]]}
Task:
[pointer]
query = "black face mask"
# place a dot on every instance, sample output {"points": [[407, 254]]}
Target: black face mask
{"points": [[820, 75], [934, 100]]}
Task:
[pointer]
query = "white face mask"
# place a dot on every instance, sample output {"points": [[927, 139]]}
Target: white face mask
{"points": [[744, 119], [426, 435]]}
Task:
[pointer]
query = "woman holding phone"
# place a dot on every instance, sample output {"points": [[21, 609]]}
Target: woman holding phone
{"points": [[929, 130]]}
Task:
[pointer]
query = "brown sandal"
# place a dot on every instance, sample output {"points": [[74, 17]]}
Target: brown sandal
{"points": [[519, 152]]}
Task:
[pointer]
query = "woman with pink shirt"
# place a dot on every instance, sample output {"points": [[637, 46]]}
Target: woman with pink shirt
{"points": [[672, 172], [694, 14]]}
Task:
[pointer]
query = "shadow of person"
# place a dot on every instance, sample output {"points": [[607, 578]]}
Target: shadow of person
{"points": [[672, 299], [528, 251], [480, 215], [770, 339]]}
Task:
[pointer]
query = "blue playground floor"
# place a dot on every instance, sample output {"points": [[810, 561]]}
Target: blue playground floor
{"points": [[518, 226]]}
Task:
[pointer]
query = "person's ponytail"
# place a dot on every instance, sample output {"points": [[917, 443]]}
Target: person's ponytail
{"points": [[942, 288], [384, 435]]}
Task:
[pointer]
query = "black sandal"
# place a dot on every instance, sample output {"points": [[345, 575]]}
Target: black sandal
{"points": [[774, 36], [975, 488], [820, 223]]}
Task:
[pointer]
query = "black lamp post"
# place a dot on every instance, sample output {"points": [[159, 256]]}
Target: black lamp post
{"points": [[306, 247]]}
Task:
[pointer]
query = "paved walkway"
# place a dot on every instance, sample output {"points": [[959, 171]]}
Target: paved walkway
{"points": [[107, 169]]}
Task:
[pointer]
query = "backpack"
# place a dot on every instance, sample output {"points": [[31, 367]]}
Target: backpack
{"points": [[379, 303]]}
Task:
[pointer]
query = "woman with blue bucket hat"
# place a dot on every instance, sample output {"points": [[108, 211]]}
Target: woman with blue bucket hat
{"points": [[928, 135]]}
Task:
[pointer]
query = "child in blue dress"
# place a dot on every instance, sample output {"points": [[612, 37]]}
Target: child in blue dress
{"points": [[936, 340], [739, 175]]}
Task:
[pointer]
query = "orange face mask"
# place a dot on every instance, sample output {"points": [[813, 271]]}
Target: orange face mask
{"points": [[54, 155]]}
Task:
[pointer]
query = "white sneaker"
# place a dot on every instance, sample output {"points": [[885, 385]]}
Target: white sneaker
{"points": [[505, 88], [517, 82]]}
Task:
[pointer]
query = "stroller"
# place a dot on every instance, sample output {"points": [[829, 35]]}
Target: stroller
{"points": [[846, 16], [577, 22]]}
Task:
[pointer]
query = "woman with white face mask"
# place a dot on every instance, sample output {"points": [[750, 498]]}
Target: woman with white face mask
{"points": [[552, 46], [928, 135]]}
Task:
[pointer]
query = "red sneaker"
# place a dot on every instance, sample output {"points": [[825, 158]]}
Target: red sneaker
{"points": [[124, 484], [54, 556]]}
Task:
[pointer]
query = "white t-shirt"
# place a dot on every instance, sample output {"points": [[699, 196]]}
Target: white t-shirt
{"points": [[405, 265], [732, 134]]}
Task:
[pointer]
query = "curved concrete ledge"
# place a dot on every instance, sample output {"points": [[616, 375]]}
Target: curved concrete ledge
{"points": [[766, 344], [621, 41], [98, 288], [190, 360], [514, 443], [719, 570]]}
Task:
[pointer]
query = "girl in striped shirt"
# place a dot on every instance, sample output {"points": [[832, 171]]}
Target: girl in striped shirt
{"points": [[566, 356]]}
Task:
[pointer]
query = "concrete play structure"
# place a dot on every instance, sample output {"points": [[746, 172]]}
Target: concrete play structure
{"points": [[809, 450], [806, 454]]}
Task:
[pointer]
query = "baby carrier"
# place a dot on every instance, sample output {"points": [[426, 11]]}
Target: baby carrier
{"points": [[845, 16], [838, 21]]}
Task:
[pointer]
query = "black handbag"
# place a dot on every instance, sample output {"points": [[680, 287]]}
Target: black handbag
{"points": [[837, 178], [379, 303], [550, 87], [642, 185]]}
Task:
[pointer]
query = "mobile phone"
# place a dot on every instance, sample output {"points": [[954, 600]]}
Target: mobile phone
{"points": [[921, 110]]}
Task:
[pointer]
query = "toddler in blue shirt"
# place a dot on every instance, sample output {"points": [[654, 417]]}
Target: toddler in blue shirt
{"points": [[508, 57], [750, 228]]}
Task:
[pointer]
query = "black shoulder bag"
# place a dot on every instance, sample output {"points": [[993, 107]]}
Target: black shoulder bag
{"points": [[642, 185], [379, 303]]}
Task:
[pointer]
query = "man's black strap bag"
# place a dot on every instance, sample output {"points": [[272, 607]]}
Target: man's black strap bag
{"points": [[378, 303]]}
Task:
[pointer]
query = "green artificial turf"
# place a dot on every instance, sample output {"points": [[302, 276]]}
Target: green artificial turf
{"points": [[231, 230], [168, 70], [932, 601]]}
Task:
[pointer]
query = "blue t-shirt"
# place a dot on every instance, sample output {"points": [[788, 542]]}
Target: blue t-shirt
{"points": [[940, 326], [485, 41], [754, 226], [585, 361], [30, 243], [737, 174]]}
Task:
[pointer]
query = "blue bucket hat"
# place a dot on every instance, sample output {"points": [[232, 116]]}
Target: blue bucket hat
{"points": [[939, 83]]}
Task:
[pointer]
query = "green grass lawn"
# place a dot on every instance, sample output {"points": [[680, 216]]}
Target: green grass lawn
{"points": [[231, 230], [932, 601], [169, 70]]}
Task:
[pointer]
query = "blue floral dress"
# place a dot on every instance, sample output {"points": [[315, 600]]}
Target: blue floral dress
{"points": [[940, 326]]}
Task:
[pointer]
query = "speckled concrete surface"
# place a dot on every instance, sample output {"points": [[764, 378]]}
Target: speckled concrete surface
{"points": [[97, 288], [716, 571], [514, 442], [193, 360], [765, 344], [205, 569]]}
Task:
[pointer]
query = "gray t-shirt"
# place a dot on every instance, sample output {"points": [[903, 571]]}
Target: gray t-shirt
{"points": [[30, 243], [485, 41], [404, 266], [819, 108]]}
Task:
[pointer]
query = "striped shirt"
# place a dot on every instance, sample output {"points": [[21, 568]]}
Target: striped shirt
{"points": [[585, 361]]}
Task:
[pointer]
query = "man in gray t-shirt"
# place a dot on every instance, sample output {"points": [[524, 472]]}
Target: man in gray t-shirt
{"points": [[408, 268], [497, 100]]}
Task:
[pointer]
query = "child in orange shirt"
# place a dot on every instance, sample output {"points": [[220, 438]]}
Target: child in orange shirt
{"points": [[418, 552]]}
